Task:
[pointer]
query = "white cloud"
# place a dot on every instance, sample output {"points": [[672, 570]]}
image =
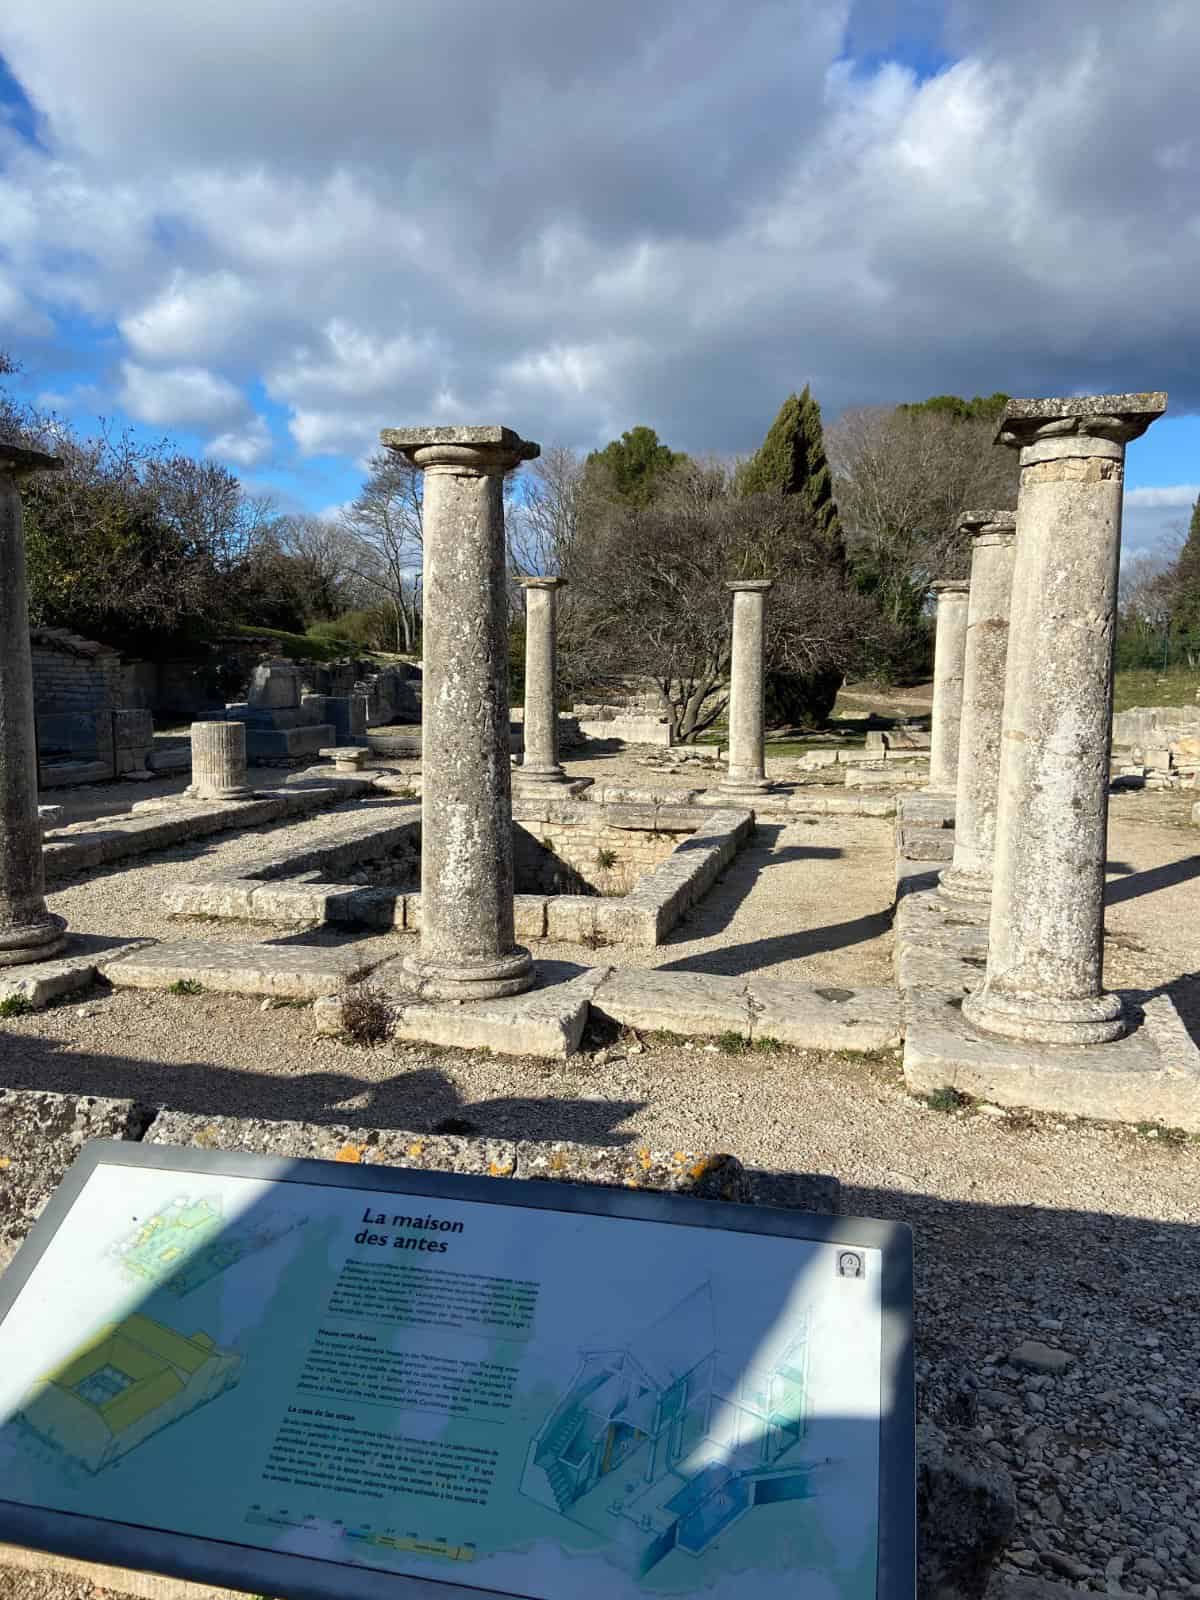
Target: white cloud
{"points": [[179, 396], [1175, 494], [246, 446], [196, 316]]}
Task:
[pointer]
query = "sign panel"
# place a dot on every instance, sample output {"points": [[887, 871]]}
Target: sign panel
{"points": [[327, 1381]]}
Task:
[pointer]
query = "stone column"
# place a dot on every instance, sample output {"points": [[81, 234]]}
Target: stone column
{"points": [[541, 764], [993, 536], [467, 946], [1045, 951], [949, 648], [28, 932], [219, 761], [746, 773]]}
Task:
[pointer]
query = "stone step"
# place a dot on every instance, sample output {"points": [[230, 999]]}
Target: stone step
{"points": [[288, 971]]}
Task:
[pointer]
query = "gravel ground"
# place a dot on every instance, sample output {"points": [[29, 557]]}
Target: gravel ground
{"points": [[1085, 1238]]}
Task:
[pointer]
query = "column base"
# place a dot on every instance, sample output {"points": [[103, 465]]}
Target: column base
{"points": [[1097, 1020], [961, 888], [536, 777], [32, 941], [218, 796], [737, 788], [473, 980]]}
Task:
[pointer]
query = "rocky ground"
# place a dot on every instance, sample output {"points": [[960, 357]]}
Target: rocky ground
{"points": [[1057, 1318]]}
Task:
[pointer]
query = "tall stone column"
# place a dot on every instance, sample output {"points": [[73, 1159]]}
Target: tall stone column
{"points": [[467, 944], [28, 932], [949, 649], [746, 773], [1045, 951], [993, 536], [219, 761], [541, 764]]}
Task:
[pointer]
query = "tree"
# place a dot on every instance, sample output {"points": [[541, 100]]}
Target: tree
{"points": [[791, 460], [544, 517], [1185, 612], [632, 468], [903, 477], [386, 523], [650, 595]]}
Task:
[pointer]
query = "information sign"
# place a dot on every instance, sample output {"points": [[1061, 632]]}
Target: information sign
{"points": [[334, 1382]]}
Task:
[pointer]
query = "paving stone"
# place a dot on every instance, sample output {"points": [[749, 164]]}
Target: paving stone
{"points": [[825, 1018], [545, 1021], [296, 972], [690, 1003], [39, 983], [1152, 1074]]}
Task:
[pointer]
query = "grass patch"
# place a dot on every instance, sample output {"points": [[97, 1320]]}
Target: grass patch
{"points": [[1164, 1135], [1142, 686], [764, 1045], [16, 1005], [185, 986], [734, 1044], [946, 1099]]}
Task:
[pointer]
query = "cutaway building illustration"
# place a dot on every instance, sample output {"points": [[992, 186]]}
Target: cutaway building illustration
{"points": [[132, 1379], [669, 1439], [188, 1242]]}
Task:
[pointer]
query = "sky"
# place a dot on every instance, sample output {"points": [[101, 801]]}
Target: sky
{"points": [[269, 229]]}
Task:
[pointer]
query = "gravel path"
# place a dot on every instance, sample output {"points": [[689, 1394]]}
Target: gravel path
{"points": [[1082, 1237]]}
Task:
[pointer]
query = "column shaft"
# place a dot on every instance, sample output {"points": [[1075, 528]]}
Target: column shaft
{"points": [[1045, 954], [949, 649], [28, 932], [541, 763], [969, 878], [219, 761], [467, 944], [746, 772]]}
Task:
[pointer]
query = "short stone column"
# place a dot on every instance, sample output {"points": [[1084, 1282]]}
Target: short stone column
{"points": [[28, 932], [1045, 950], [949, 649], [746, 773], [219, 761], [541, 764], [467, 944], [993, 536]]}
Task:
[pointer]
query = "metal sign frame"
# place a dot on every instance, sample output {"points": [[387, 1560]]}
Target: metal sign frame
{"points": [[257, 1570]]}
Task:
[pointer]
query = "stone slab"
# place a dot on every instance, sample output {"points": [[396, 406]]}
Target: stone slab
{"points": [[825, 1017], [689, 1003], [546, 1021], [288, 971], [1151, 1075], [40, 1136], [39, 983]]}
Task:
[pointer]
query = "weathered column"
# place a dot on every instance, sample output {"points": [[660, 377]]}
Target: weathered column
{"points": [[1045, 951], [993, 536], [746, 773], [949, 647], [28, 932], [219, 761], [467, 947], [541, 764]]}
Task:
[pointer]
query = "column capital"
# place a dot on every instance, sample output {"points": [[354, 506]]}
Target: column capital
{"points": [[991, 521], [542, 583], [482, 451], [1113, 417], [17, 460], [750, 585], [951, 586]]}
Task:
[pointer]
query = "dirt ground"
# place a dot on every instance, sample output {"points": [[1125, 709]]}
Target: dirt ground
{"points": [[1021, 1223]]}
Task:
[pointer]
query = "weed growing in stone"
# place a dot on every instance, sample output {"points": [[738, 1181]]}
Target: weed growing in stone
{"points": [[764, 1045], [366, 1015], [15, 1005], [185, 986], [946, 1099], [1156, 1130], [734, 1044], [606, 859]]}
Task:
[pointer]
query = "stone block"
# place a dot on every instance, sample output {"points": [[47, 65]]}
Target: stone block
{"points": [[215, 897], [704, 1174], [1150, 1075], [1158, 759], [546, 1021], [295, 972], [826, 1017], [571, 918], [966, 1514], [40, 983], [692, 1004]]}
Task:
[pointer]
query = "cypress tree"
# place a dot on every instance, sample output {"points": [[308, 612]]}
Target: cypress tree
{"points": [[791, 460], [1185, 617]]}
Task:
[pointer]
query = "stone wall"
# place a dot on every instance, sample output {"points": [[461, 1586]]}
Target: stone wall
{"points": [[588, 849], [85, 729]]}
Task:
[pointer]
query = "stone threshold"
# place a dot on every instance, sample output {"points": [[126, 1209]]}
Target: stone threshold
{"points": [[940, 955], [160, 824], [643, 917], [75, 969]]}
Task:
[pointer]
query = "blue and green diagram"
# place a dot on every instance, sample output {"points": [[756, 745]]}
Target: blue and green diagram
{"points": [[662, 1444], [188, 1242]]}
